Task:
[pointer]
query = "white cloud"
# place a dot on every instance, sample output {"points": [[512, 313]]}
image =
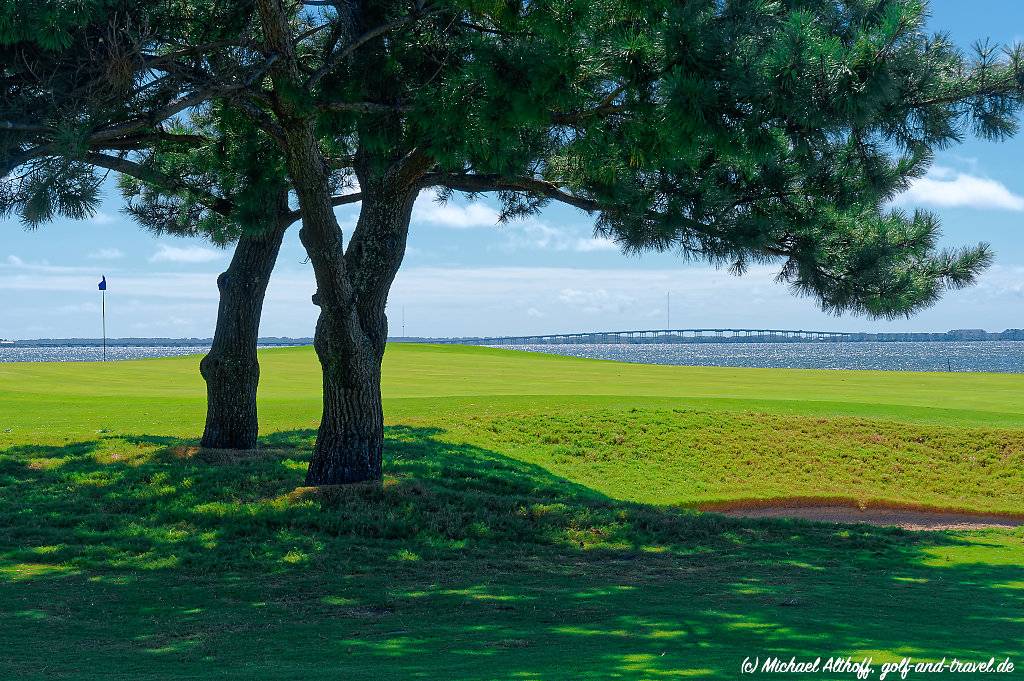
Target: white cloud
{"points": [[457, 301], [106, 254], [488, 300], [13, 262], [534, 234], [537, 235], [452, 215], [598, 301], [170, 324], [1001, 284], [947, 188], [77, 308], [102, 218], [598, 243], [187, 254], [529, 233], [157, 284]]}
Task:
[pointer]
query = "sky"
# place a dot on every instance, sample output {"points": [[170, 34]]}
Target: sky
{"points": [[464, 275]]}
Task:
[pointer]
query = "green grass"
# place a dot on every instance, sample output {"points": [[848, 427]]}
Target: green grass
{"points": [[533, 523]]}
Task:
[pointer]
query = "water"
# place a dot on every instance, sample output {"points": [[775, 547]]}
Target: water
{"points": [[89, 353], [997, 356]]}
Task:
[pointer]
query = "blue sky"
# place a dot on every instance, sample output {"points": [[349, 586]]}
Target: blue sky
{"points": [[464, 275]]}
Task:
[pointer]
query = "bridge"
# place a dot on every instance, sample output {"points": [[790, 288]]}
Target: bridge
{"points": [[667, 336]]}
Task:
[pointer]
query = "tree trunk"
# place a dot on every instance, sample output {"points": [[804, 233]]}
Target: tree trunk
{"points": [[231, 369], [350, 340], [350, 442], [352, 284]]}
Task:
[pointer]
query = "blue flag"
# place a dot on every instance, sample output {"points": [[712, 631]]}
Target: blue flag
{"points": [[103, 283]]}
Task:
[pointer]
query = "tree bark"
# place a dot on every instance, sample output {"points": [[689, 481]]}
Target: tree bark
{"points": [[231, 369], [351, 336], [352, 285]]}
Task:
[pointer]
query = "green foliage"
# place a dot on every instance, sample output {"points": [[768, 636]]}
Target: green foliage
{"points": [[50, 24], [739, 132], [884, 265], [53, 188], [64, 62], [73, 69], [236, 162]]}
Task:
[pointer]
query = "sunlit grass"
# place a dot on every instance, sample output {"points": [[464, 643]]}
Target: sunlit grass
{"points": [[685, 456], [531, 524]]}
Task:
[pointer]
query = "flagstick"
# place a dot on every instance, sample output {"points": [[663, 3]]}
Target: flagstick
{"points": [[103, 308]]}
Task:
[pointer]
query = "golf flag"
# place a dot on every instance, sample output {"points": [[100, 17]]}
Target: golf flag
{"points": [[103, 312]]}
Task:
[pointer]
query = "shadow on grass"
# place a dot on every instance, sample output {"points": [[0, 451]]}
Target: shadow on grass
{"points": [[147, 556]]}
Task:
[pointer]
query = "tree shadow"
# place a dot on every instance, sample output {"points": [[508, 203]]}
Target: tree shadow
{"points": [[147, 554]]}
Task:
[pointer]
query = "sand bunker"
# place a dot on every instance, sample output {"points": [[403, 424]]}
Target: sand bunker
{"points": [[908, 519]]}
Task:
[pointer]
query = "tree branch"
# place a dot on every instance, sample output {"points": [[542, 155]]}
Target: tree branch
{"points": [[144, 141], [157, 116], [262, 119], [140, 172], [479, 184], [18, 126], [1005, 87], [482, 29], [181, 104], [570, 117], [364, 107], [340, 200], [21, 157], [335, 58], [474, 184]]}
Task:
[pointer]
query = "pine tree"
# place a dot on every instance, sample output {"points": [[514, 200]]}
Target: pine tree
{"points": [[737, 132], [239, 167], [80, 99], [740, 132], [233, 165]]}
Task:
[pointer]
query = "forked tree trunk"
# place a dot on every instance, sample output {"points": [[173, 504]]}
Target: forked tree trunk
{"points": [[352, 284], [231, 369], [350, 340]]}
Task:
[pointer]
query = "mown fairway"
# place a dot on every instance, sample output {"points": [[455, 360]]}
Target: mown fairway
{"points": [[533, 522]]}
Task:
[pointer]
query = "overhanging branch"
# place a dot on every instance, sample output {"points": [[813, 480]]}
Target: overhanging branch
{"points": [[340, 200], [124, 166], [478, 184], [181, 104]]}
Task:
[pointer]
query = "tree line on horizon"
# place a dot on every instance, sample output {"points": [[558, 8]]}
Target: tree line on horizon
{"points": [[736, 133]]}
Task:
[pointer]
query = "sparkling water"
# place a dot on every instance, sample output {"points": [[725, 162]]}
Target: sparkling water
{"points": [[997, 356], [91, 353]]}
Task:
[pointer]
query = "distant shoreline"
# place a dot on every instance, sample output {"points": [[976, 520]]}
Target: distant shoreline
{"points": [[967, 356], [599, 338], [139, 342]]}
